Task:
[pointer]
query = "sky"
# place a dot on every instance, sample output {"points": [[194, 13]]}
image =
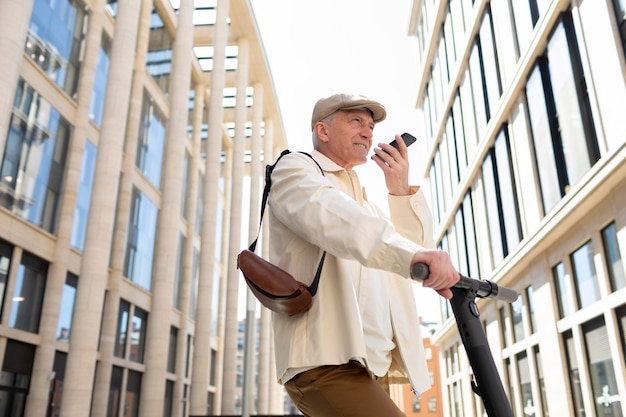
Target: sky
{"points": [[322, 47]]}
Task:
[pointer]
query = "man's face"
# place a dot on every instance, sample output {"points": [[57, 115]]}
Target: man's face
{"points": [[348, 137]]}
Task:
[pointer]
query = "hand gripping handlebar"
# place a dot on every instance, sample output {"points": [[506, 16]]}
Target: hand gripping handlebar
{"points": [[482, 288]]}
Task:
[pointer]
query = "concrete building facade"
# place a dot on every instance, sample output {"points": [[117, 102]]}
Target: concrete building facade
{"points": [[128, 132], [524, 105]]}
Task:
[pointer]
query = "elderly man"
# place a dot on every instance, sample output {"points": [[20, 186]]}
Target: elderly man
{"points": [[362, 330]]}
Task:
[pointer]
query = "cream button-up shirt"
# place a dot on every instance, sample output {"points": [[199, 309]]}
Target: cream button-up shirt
{"points": [[364, 307]]}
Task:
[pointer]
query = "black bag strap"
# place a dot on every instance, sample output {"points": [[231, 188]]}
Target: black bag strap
{"points": [[266, 191]]}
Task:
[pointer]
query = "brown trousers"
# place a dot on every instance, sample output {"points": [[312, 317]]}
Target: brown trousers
{"points": [[346, 390]]}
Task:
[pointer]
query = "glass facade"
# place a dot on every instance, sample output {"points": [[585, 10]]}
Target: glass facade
{"points": [[28, 294], [516, 101], [33, 165], [56, 34], [83, 204], [83, 199], [141, 237]]}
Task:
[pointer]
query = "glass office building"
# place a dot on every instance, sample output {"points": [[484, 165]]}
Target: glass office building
{"points": [[524, 103], [130, 133]]}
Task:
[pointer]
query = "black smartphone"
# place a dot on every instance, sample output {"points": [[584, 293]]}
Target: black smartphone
{"points": [[408, 139]]}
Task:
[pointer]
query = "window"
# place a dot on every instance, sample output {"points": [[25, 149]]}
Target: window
{"points": [[169, 398], [416, 406], [101, 80], [504, 326], [525, 385], [115, 392], [184, 188], [159, 58], [56, 385], [558, 273], [458, 130], [17, 368], [28, 293], [171, 353], [56, 34], [585, 277], [542, 386], [193, 287], [34, 159], [83, 198], [501, 199], [518, 322], [432, 404], [64, 326], [122, 329], [562, 126], [138, 335], [151, 141], [601, 370], [530, 297], [620, 16], [621, 318], [141, 236], [466, 238], [6, 253], [574, 376], [613, 257], [179, 275]]}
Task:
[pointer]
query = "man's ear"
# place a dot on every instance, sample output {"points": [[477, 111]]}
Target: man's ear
{"points": [[320, 131]]}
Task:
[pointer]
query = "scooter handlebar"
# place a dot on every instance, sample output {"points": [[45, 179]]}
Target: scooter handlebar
{"points": [[482, 288]]}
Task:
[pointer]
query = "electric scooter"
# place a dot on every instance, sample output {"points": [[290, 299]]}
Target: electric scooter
{"points": [[487, 384]]}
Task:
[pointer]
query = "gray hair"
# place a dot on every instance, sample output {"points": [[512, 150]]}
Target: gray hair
{"points": [[315, 139]]}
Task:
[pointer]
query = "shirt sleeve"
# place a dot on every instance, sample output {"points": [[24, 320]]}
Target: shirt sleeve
{"points": [[315, 208]]}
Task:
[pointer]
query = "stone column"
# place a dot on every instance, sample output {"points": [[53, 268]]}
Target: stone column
{"points": [[14, 18], [110, 312], [229, 392], [200, 375], [158, 331], [83, 353]]}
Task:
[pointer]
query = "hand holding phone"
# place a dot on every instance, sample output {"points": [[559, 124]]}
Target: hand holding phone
{"points": [[407, 138]]}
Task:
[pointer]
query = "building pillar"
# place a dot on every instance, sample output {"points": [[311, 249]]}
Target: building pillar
{"points": [[39, 392], [188, 291], [110, 314], [202, 346], [14, 18], [230, 393], [83, 353], [250, 360], [166, 248]]}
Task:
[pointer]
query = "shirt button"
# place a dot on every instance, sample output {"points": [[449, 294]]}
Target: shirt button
{"points": [[397, 268]]}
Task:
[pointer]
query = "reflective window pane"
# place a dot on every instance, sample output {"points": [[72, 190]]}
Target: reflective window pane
{"points": [[138, 335], [122, 329], [140, 240], [33, 164], [28, 293], [6, 253], [562, 293], [151, 141], [55, 38], [574, 376], [542, 139], [83, 198], [602, 371], [613, 258], [64, 326], [570, 115], [159, 57], [585, 277], [101, 80], [518, 323]]}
